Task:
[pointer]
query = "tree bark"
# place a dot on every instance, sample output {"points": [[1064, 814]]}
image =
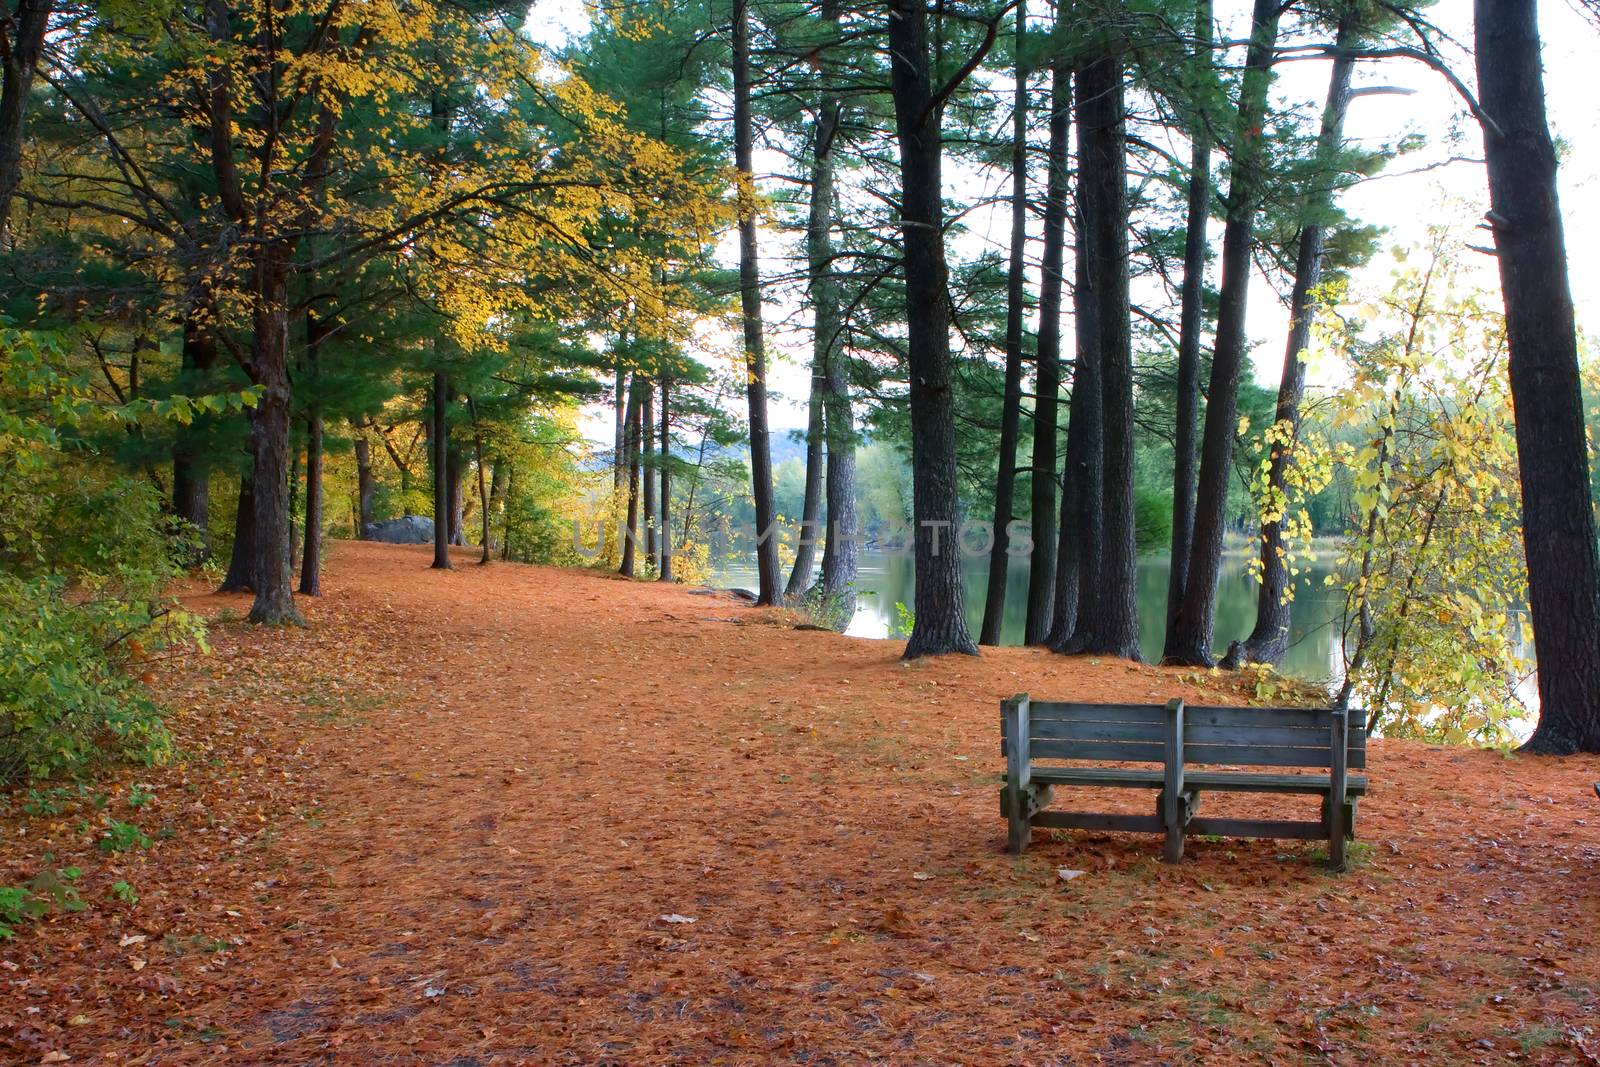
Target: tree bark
{"points": [[1191, 325], [1047, 377], [1269, 639], [1108, 617], [1189, 638], [941, 624], [191, 471], [1085, 482], [24, 43], [439, 440], [754, 339], [241, 576], [1558, 524], [483, 490], [1005, 484], [647, 424], [665, 573], [455, 468], [365, 484], [269, 438], [840, 550], [805, 554], [311, 558], [630, 534]]}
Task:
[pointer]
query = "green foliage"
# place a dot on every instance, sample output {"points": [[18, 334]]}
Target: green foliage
{"points": [[122, 837], [124, 892], [45, 892], [84, 554]]}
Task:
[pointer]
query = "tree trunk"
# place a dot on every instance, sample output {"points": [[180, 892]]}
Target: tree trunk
{"points": [[455, 468], [1085, 481], [630, 534], [836, 591], [440, 443], [1269, 640], [1558, 524], [498, 485], [1189, 638], [483, 491], [810, 531], [365, 484], [647, 425], [1047, 378], [311, 559], [665, 573], [1191, 324], [941, 624], [269, 438], [191, 472], [241, 576], [754, 339], [1005, 483], [24, 43], [1108, 616]]}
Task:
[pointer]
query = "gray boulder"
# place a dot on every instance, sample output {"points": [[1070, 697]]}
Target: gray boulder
{"points": [[406, 530]]}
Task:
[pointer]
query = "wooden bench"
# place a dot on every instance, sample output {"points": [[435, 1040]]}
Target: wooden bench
{"points": [[1176, 737]]}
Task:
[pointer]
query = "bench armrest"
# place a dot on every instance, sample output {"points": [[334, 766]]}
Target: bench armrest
{"points": [[1019, 771], [1339, 783], [1172, 783]]}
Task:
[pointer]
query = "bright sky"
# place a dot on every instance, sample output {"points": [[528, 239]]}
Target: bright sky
{"points": [[1421, 190]]}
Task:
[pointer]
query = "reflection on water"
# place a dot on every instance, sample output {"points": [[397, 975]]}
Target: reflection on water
{"points": [[886, 578]]}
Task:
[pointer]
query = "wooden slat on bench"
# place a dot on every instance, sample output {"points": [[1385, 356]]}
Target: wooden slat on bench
{"points": [[1286, 736], [1085, 820], [1225, 755], [1222, 781], [1303, 831]]}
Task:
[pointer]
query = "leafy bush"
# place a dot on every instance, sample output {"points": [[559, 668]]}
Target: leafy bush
{"points": [[85, 552]]}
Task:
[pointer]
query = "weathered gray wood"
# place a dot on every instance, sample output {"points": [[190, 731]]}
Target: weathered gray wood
{"points": [[1154, 752], [1018, 779], [1172, 784], [1220, 827], [1104, 751], [1194, 715], [1263, 735], [1340, 775], [1034, 799], [1082, 820], [1216, 781]]}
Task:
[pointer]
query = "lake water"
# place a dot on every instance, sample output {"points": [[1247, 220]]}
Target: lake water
{"points": [[886, 578]]}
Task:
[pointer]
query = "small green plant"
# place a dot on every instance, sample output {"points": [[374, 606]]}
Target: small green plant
{"points": [[905, 620], [124, 892], [44, 892], [139, 796], [121, 837]]}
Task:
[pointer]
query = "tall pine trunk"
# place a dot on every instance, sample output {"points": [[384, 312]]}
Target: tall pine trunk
{"points": [[1108, 610], [647, 437], [311, 557], [941, 624], [439, 441], [1083, 499], [810, 531], [241, 576], [1558, 524], [840, 550], [1269, 639], [1191, 324], [1189, 638], [191, 471], [269, 439], [630, 532], [366, 484], [1005, 484], [754, 340], [665, 573], [1047, 377]]}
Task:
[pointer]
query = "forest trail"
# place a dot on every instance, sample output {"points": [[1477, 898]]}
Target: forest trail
{"points": [[465, 817]]}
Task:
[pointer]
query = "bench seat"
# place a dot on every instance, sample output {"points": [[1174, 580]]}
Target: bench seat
{"points": [[1217, 781]]}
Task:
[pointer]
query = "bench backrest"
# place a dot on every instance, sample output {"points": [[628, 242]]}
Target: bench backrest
{"points": [[1254, 737]]}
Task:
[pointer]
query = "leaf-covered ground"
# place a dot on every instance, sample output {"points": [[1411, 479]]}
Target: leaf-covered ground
{"points": [[466, 818]]}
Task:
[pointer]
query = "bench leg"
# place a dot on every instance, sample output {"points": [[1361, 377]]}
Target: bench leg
{"points": [[1176, 821], [1019, 830]]}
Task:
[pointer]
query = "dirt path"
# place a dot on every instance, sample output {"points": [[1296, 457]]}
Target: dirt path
{"points": [[445, 825]]}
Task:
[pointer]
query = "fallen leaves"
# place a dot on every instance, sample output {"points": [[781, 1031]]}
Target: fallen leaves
{"points": [[425, 867]]}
